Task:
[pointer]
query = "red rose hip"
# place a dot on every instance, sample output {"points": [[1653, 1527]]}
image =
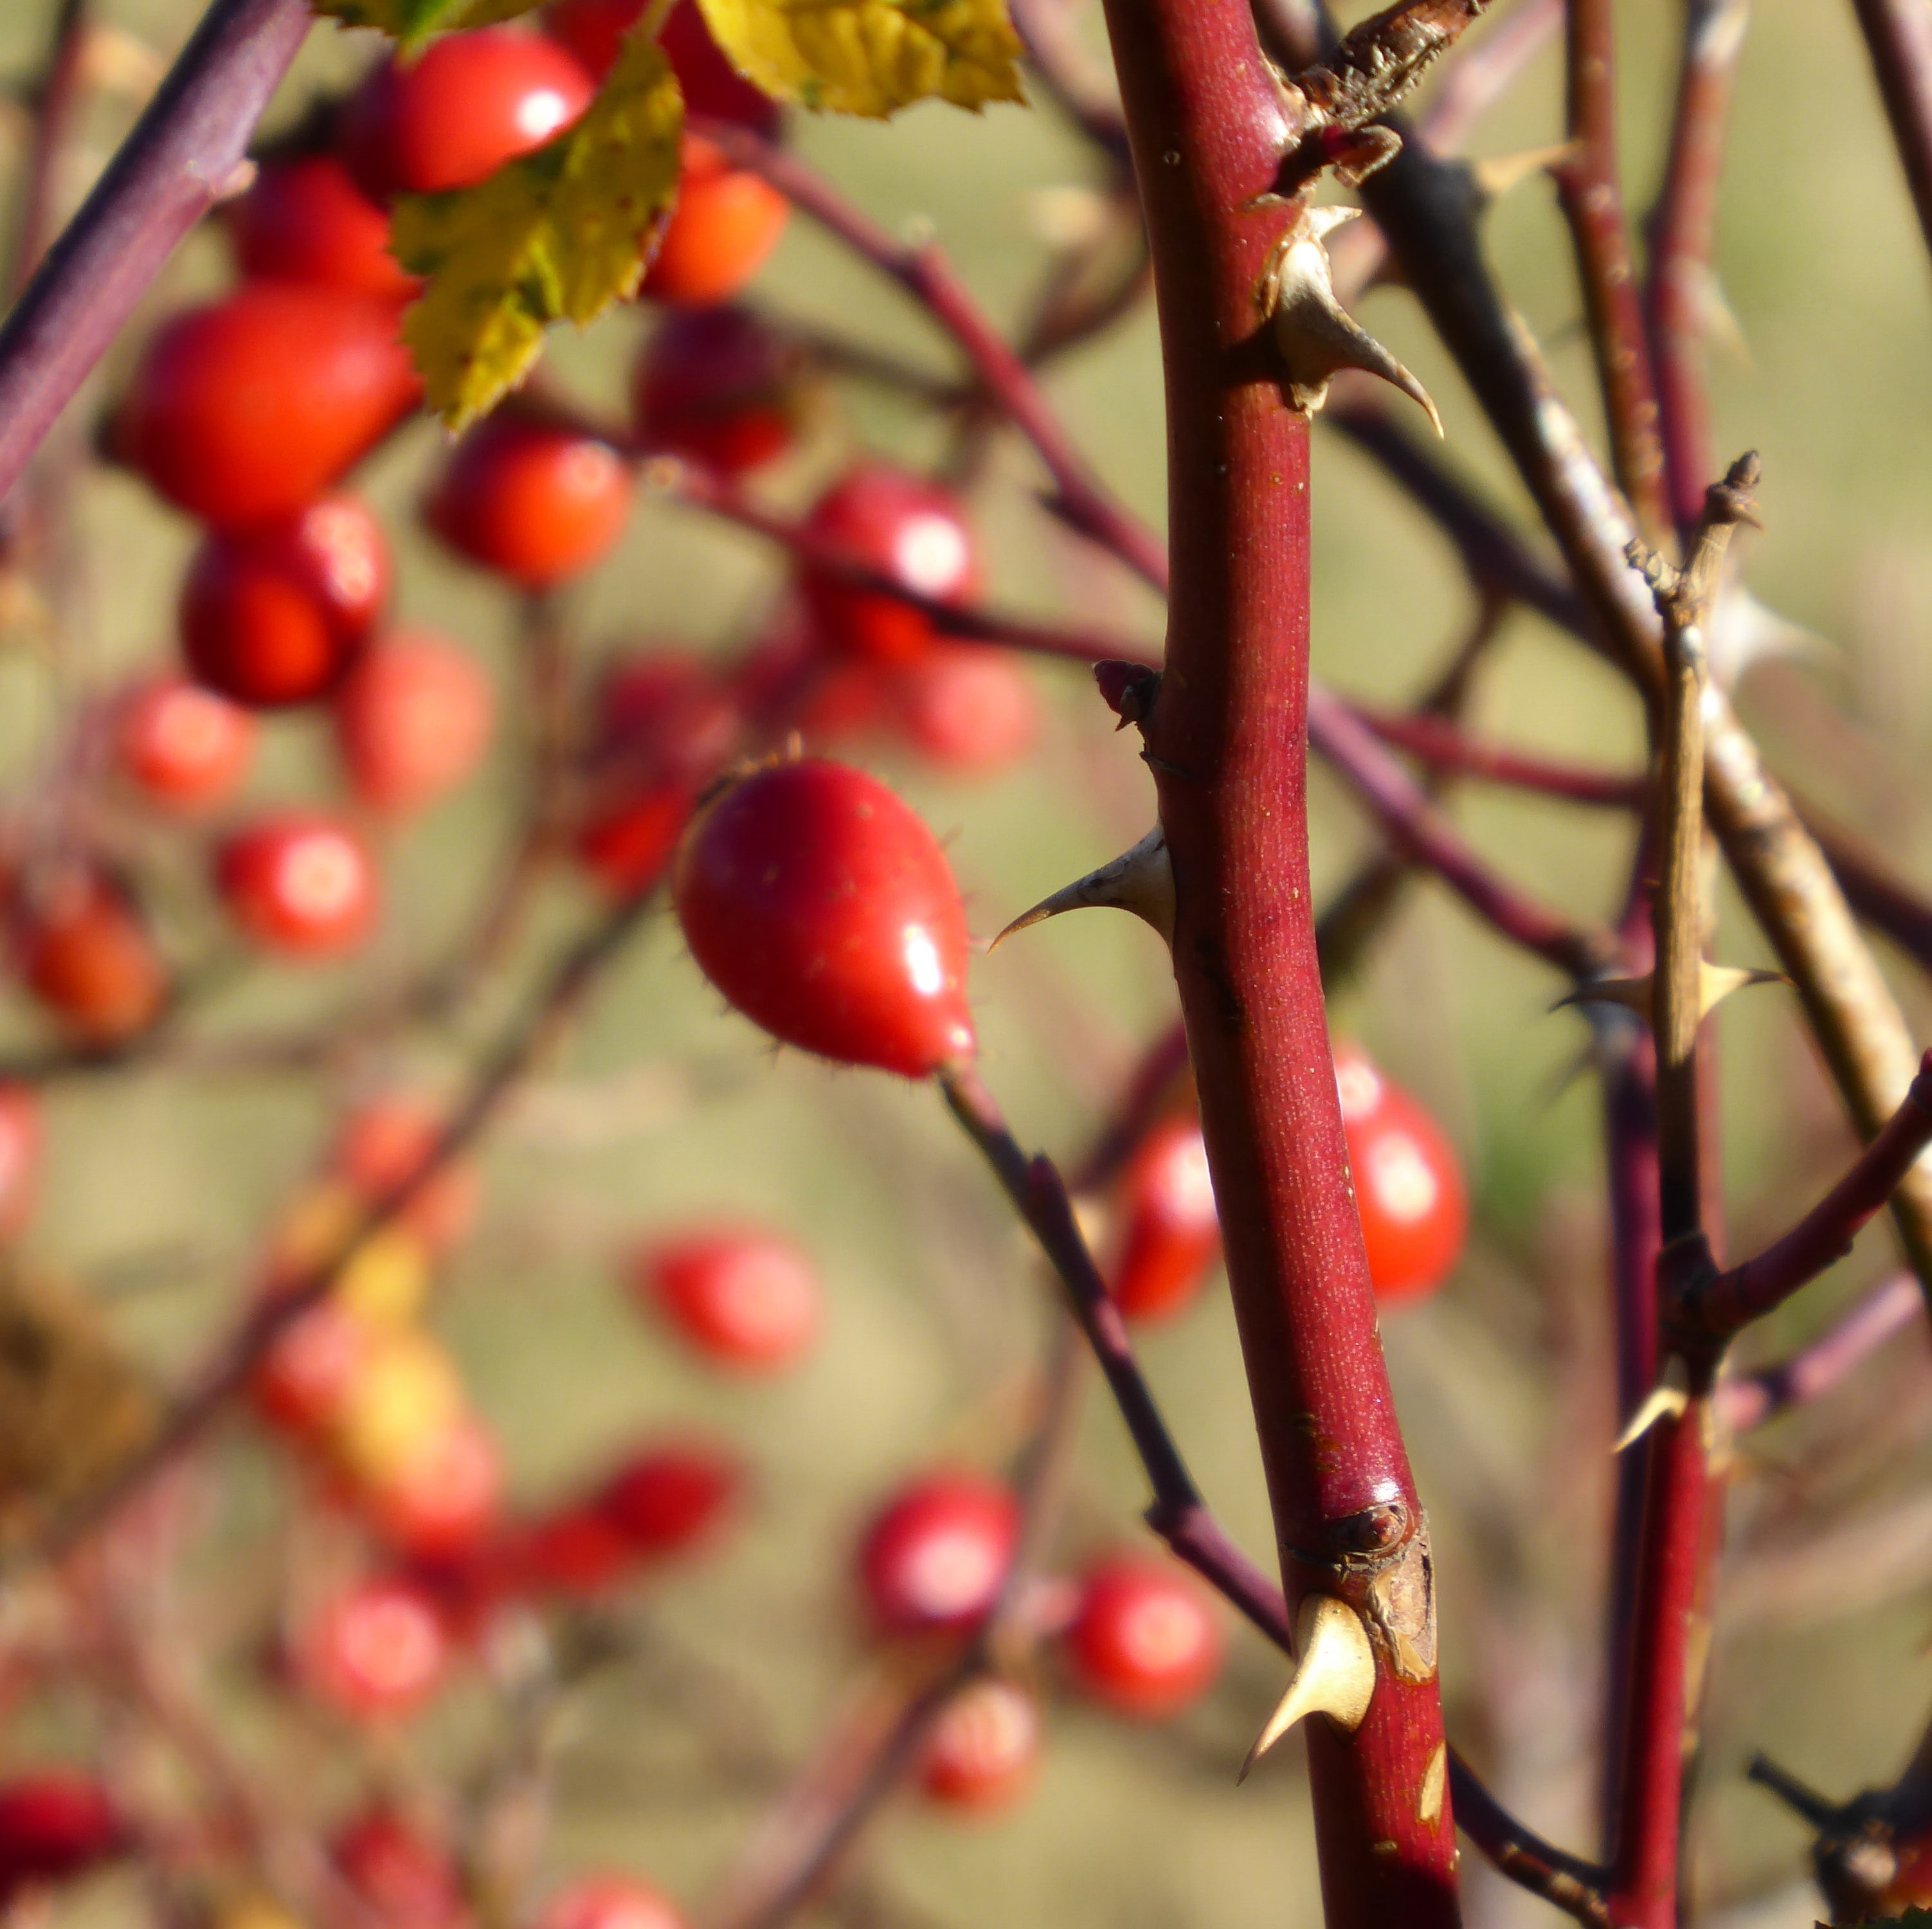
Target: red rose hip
{"points": [[306, 219], [746, 1300], [217, 421], [451, 117], [53, 1825], [274, 616], [984, 1748], [300, 884], [609, 1902], [87, 956], [1144, 1641], [593, 30], [183, 747], [532, 502], [377, 1651], [825, 910], [1408, 1183], [412, 720], [934, 1556], [668, 1500], [715, 385], [727, 220], [1172, 1233]]}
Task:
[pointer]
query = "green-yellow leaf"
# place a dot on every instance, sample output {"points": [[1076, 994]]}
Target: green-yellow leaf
{"points": [[413, 22], [557, 236], [870, 56]]}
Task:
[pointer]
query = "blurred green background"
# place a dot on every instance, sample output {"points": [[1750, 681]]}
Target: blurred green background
{"points": [[662, 1109]]}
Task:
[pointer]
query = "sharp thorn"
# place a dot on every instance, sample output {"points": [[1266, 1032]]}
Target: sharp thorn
{"points": [[1335, 1675], [1667, 1400], [1140, 880]]}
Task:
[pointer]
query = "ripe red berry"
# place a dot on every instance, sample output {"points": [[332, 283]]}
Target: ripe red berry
{"points": [[309, 1372], [246, 410], [594, 29], [1408, 1183], [401, 1875], [1172, 1233], [934, 1556], [717, 386], [86, 955], [609, 1902], [743, 1299], [984, 1748], [412, 719], [826, 911], [182, 747], [1144, 1641], [382, 1143], [727, 221], [377, 1651], [455, 114], [968, 709], [305, 220], [53, 1825], [440, 1501], [532, 502], [905, 528], [574, 1552], [20, 1148], [298, 884], [274, 616], [668, 1500]]}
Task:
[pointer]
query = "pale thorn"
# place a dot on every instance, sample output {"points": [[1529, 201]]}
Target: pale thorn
{"points": [[1497, 174], [1140, 880], [1717, 981], [1335, 1675], [1740, 631], [114, 61], [1719, 319], [1316, 335], [1669, 1399]]}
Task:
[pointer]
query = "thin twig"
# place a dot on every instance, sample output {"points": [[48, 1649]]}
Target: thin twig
{"points": [[1888, 1310], [1898, 34]]}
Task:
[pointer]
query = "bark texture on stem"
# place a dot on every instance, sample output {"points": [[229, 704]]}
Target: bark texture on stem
{"points": [[1228, 743], [180, 159]]}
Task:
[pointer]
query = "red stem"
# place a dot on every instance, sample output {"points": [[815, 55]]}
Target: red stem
{"points": [[1228, 743], [1444, 744], [177, 163], [1683, 230], [1898, 34], [1593, 202]]}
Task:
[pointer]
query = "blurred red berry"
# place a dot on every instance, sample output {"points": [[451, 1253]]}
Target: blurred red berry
{"points": [[968, 708], [454, 115], [668, 1499], [1172, 1234], [1144, 1641], [274, 616], [534, 503], [717, 386], [743, 1299], [984, 1748], [54, 1825], [609, 1902], [575, 1551], [727, 221], [88, 957], [825, 910], [383, 1141], [299, 884], [1409, 1182], [934, 1556], [216, 422], [311, 1367], [20, 1153], [593, 29], [904, 528], [404, 1878], [182, 747], [412, 719], [378, 1651], [305, 220], [441, 1500]]}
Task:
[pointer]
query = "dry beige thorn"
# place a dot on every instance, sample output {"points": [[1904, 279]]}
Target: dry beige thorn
{"points": [[1717, 982], [1140, 880], [1497, 174], [1669, 1399], [1335, 1676], [1316, 335]]}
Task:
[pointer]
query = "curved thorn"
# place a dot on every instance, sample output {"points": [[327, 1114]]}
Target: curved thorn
{"points": [[1717, 982], [1140, 880], [1668, 1399], [1335, 1675]]}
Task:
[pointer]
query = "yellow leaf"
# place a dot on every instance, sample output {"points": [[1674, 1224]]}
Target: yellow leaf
{"points": [[558, 235], [870, 56]]}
